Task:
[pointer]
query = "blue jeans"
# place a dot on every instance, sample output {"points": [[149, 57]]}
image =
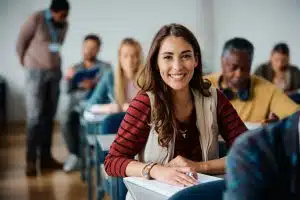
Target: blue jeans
{"points": [[41, 94], [206, 191], [70, 121]]}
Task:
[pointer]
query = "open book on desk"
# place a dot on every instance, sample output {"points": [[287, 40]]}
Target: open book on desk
{"points": [[143, 189]]}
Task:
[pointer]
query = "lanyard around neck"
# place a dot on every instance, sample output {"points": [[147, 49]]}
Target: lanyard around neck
{"points": [[53, 33]]}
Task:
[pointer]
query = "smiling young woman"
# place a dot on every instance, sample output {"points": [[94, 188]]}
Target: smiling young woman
{"points": [[171, 127]]}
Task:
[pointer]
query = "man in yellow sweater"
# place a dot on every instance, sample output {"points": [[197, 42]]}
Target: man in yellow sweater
{"points": [[254, 98]]}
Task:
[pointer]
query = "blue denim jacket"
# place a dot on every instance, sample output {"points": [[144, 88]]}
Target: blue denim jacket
{"points": [[104, 90], [81, 73]]}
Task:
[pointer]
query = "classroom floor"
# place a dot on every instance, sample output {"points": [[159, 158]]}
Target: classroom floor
{"points": [[14, 185]]}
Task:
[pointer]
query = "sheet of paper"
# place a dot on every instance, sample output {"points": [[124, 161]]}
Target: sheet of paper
{"points": [[159, 187], [91, 117], [251, 125]]}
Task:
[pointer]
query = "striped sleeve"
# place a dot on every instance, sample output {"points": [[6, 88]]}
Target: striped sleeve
{"points": [[131, 137], [230, 124]]}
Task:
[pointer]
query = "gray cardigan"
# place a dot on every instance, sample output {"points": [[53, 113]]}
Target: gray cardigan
{"points": [[265, 70]]}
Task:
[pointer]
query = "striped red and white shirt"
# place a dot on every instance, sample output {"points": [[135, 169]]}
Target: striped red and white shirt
{"points": [[134, 130]]}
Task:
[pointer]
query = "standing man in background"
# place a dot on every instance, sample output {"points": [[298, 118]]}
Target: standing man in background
{"points": [[38, 48]]}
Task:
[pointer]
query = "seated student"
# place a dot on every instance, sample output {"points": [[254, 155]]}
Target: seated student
{"points": [[113, 94], [173, 124], [279, 71], [254, 98], [265, 163], [81, 80]]}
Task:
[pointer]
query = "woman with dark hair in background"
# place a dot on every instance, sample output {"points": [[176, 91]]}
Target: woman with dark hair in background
{"points": [[280, 72]]}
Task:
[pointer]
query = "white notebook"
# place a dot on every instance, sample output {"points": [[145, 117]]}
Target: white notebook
{"points": [[92, 117], [252, 125], [143, 189]]}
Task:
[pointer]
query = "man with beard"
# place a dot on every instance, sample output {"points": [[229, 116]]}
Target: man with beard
{"points": [[38, 48], [81, 80], [254, 98]]}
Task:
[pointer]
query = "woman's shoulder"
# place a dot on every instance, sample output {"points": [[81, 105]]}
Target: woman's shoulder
{"points": [[217, 96], [263, 65], [140, 106], [262, 69], [143, 98], [294, 68]]}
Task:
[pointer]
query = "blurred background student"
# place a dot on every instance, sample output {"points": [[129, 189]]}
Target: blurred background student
{"points": [[81, 80], [255, 99], [280, 72], [114, 92]]}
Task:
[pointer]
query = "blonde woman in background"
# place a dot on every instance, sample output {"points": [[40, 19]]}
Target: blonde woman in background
{"points": [[114, 92]]}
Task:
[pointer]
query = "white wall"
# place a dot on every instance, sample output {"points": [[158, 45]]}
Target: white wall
{"points": [[112, 20], [263, 22]]}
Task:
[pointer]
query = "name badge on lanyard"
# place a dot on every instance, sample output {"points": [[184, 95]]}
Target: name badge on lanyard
{"points": [[54, 46]]}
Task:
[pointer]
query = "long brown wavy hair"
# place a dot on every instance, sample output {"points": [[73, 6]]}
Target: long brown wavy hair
{"points": [[163, 115]]}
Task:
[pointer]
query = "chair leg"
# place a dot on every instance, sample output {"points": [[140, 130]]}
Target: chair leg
{"points": [[114, 188], [89, 173], [83, 155], [99, 182]]}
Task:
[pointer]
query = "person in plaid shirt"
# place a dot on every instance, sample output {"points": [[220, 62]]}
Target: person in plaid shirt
{"points": [[265, 163]]}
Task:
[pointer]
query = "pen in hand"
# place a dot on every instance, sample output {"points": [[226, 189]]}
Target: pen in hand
{"points": [[192, 175]]}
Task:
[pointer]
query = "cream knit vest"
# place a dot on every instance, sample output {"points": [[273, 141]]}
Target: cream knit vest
{"points": [[206, 113]]}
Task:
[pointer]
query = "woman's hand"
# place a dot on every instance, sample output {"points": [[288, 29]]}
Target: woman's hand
{"points": [[178, 176], [70, 73], [180, 161], [125, 107], [271, 119]]}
